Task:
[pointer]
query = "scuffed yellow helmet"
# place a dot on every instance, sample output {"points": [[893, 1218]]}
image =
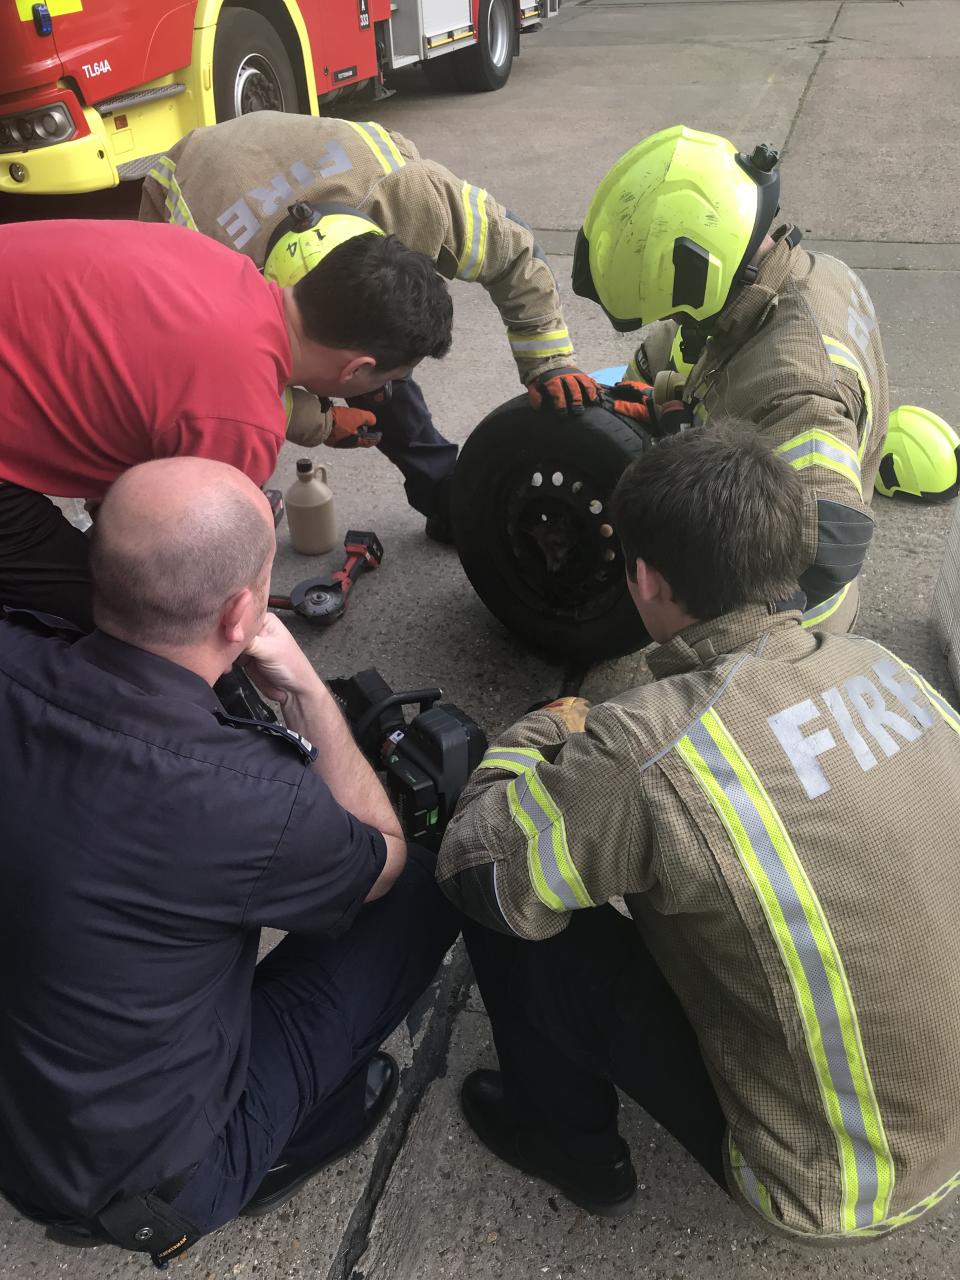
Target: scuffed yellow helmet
{"points": [[673, 227], [307, 234]]}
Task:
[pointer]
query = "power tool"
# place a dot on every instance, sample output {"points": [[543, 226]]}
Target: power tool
{"points": [[324, 600], [425, 762]]}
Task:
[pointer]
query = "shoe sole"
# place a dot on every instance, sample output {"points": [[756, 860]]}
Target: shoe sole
{"points": [[258, 1208], [599, 1208]]}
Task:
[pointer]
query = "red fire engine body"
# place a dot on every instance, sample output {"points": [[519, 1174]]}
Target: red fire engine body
{"points": [[92, 92]]}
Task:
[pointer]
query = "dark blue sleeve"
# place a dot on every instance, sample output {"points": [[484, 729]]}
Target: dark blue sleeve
{"points": [[324, 865]]}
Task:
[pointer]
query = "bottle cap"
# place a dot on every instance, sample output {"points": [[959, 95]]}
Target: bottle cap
{"points": [[304, 466]]}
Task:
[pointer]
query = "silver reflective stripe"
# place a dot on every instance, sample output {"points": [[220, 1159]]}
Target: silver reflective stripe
{"points": [[820, 612], [378, 145], [549, 856], [541, 346], [518, 761], [824, 1006], [473, 206], [823, 448]]}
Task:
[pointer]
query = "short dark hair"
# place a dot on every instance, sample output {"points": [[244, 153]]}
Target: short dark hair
{"points": [[375, 295], [718, 514]]}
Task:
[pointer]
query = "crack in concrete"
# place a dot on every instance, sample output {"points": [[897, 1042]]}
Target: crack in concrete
{"points": [[824, 43], [429, 1063]]}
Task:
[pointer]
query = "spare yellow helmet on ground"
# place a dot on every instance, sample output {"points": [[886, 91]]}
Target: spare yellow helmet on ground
{"points": [[307, 234], [673, 227], [921, 457]]}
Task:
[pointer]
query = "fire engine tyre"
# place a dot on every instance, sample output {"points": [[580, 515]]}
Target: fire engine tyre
{"points": [[529, 519], [486, 65], [251, 67]]}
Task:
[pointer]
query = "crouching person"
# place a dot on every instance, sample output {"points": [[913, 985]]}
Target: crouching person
{"points": [[775, 808], [155, 1081]]}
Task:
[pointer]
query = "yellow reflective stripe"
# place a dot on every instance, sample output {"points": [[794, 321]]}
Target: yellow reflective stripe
{"points": [[822, 611], [840, 354], [474, 201], [380, 144], [57, 8], [553, 874], [748, 1182], [816, 448], [813, 964], [178, 211], [937, 699], [514, 759], [555, 342]]}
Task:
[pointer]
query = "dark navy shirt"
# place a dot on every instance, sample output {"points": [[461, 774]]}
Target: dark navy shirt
{"points": [[143, 844]]}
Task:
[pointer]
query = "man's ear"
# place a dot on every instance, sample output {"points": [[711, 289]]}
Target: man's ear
{"points": [[354, 366], [232, 615], [650, 584]]}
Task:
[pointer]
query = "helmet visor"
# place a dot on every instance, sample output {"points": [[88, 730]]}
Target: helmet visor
{"points": [[584, 287]]}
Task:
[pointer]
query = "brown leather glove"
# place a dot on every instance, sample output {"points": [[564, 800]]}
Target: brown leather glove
{"points": [[566, 390], [572, 711], [351, 428]]}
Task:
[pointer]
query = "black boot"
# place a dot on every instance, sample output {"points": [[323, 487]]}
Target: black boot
{"points": [[606, 1189], [283, 1181]]}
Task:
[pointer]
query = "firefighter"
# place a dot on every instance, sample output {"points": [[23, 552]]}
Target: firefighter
{"points": [[262, 182], [775, 808], [777, 335]]}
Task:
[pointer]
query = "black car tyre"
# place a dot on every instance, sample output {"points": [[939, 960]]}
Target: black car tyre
{"points": [[529, 500], [486, 65], [251, 67]]}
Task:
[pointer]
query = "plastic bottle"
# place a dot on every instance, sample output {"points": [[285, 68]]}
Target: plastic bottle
{"points": [[310, 514]]}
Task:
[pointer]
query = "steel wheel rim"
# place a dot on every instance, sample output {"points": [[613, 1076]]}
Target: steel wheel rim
{"points": [[499, 32], [587, 572], [257, 86]]}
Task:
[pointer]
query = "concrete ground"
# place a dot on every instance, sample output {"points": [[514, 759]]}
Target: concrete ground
{"points": [[863, 95]]}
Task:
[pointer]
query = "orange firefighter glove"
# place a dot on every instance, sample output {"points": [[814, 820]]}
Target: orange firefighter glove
{"points": [[566, 390], [351, 428]]}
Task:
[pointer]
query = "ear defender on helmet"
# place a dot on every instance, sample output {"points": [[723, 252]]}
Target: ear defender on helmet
{"points": [[673, 227], [921, 457], [307, 234]]}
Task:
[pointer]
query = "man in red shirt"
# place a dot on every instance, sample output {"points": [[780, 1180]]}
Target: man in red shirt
{"points": [[122, 341]]}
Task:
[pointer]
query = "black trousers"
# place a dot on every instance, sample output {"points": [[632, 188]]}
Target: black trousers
{"points": [[423, 456], [586, 1011], [44, 560]]}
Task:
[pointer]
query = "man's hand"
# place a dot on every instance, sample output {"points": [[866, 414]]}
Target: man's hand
{"points": [[352, 428], [277, 665], [634, 400], [572, 711], [566, 390]]}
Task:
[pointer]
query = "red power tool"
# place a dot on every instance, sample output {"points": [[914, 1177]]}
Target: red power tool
{"points": [[323, 600]]}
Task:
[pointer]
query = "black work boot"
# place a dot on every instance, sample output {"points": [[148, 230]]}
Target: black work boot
{"points": [[283, 1181], [606, 1189]]}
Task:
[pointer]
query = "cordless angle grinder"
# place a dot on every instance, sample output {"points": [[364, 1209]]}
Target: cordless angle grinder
{"points": [[324, 600], [426, 761]]}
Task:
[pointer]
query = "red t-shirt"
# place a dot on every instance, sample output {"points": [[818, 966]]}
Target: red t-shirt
{"points": [[125, 341]]}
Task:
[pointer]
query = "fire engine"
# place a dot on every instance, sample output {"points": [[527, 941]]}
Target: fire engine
{"points": [[92, 92]]}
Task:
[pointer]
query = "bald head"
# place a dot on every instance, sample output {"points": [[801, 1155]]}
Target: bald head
{"points": [[174, 540]]}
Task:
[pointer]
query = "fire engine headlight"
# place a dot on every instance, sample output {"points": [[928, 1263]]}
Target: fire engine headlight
{"points": [[40, 128]]}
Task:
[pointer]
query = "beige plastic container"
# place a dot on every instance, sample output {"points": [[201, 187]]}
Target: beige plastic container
{"points": [[310, 511]]}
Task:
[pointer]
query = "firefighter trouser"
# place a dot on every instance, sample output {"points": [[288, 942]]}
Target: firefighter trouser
{"points": [[583, 1012], [413, 444]]}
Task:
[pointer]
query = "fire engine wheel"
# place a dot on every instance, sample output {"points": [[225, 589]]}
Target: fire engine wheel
{"points": [[529, 501], [486, 65], [251, 67]]}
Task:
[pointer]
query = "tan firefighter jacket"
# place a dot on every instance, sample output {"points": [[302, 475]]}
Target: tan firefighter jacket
{"points": [[779, 809], [234, 181], [798, 353]]}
